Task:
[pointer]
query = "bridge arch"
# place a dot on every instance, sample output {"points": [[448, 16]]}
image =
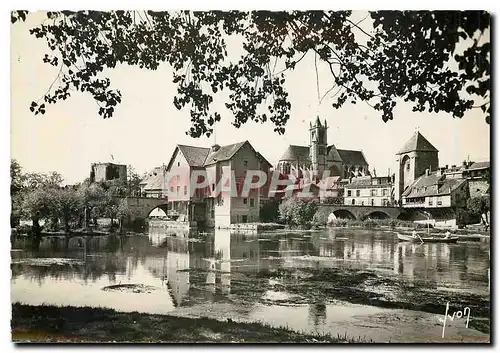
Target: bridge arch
{"points": [[158, 211], [377, 215], [344, 214]]}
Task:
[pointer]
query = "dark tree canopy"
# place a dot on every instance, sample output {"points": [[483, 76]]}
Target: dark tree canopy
{"points": [[435, 60]]}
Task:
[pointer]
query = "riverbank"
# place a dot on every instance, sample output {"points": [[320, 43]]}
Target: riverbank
{"points": [[84, 324]]}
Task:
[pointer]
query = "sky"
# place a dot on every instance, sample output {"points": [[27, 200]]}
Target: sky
{"points": [[146, 126]]}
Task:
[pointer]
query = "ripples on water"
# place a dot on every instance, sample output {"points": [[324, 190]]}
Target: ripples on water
{"points": [[195, 270]]}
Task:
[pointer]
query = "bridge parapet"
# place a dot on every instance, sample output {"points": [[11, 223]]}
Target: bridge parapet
{"points": [[141, 207], [361, 212]]}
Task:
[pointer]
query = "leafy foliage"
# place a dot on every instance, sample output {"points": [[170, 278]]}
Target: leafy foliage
{"points": [[478, 205], [41, 197], [269, 211], [436, 60], [298, 211], [133, 182], [319, 218]]}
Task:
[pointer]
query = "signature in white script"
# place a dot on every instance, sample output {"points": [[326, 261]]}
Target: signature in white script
{"points": [[456, 315]]}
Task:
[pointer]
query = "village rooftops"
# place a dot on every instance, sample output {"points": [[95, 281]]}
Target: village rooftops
{"points": [[154, 179], [480, 165], [367, 182], [417, 143], [204, 156], [432, 185], [301, 154]]}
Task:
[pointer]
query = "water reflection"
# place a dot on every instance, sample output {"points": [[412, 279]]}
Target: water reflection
{"points": [[191, 268]]}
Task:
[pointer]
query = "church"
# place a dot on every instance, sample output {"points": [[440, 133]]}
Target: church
{"points": [[319, 160]]}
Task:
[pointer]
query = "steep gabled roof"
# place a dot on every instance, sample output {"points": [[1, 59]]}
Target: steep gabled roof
{"points": [[203, 156], [417, 143], [263, 160], [195, 156], [333, 154], [480, 165], [154, 179], [223, 153], [352, 157], [296, 153]]}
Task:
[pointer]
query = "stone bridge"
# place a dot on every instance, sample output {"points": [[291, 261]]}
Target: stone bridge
{"points": [[363, 212], [141, 207]]}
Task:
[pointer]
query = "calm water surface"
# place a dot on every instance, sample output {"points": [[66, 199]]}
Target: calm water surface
{"points": [[199, 274]]}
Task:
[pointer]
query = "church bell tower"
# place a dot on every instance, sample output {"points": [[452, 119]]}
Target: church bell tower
{"points": [[318, 147]]}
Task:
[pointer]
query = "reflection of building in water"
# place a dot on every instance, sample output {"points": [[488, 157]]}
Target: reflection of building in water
{"points": [[317, 314], [436, 263], [178, 268], [222, 247]]}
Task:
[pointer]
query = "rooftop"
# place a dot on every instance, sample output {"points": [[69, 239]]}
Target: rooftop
{"points": [[301, 154], [433, 185], [203, 156], [417, 143], [480, 165]]}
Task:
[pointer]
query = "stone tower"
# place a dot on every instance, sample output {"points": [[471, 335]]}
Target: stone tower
{"points": [[417, 155], [318, 147]]}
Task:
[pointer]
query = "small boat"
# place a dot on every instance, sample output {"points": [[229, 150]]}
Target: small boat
{"points": [[411, 238]]}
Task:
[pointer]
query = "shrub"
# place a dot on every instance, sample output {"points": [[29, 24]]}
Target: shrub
{"points": [[370, 223], [319, 218], [269, 212], [297, 211], [338, 222]]}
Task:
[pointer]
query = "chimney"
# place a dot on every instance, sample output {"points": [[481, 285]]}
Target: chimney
{"points": [[427, 172], [446, 167], [215, 148]]}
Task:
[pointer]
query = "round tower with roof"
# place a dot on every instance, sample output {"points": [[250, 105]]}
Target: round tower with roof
{"points": [[416, 156]]}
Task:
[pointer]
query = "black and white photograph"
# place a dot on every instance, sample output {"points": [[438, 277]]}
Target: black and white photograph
{"points": [[237, 176]]}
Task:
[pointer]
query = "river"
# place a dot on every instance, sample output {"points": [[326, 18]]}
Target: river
{"points": [[340, 281]]}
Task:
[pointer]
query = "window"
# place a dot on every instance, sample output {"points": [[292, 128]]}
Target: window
{"points": [[244, 218], [213, 187], [185, 190], [178, 190], [245, 163], [353, 201], [358, 192], [252, 202], [385, 192], [439, 201], [373, 202], [374, 192], [212, 214], [245, 200], [178, 164], [348, 193], [362, 203], [408, 166], [430, 202], [171, 189]]}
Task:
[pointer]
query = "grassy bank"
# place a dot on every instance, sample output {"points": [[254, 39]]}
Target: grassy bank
{"points": [[85, 324]]}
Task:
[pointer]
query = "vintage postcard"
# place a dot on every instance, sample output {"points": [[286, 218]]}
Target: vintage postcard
{"points": [[250, 176]]}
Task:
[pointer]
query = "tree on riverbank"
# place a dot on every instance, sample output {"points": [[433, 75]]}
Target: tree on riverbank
{"points": [[298, 211], [41, 197], [436, 61]]}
